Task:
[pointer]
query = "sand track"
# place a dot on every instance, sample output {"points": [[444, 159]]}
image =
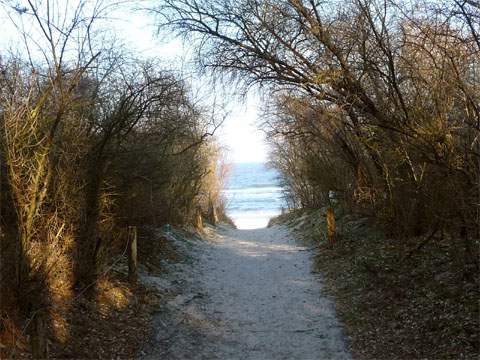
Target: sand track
{"points": [[250, 294]]}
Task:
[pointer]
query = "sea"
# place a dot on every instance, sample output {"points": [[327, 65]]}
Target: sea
{"points": [[253, 195]]}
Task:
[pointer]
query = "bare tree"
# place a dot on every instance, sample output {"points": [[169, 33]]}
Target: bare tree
{"points": [[387, 71]]}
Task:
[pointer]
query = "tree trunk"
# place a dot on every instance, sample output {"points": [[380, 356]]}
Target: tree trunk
{"points": [[86, 263], [38, 337]]}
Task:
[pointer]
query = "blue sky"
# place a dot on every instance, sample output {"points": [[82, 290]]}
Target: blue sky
{"points": [[245, 143]]}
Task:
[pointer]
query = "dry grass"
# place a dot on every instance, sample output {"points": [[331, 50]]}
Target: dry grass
{"points": [[111, 321], [393, 306], [112, 325]]}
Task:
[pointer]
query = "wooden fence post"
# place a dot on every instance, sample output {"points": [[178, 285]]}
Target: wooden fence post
{"points": [[38, 337], [198, 219], [331, 227], [213, 214], [132, 254]]}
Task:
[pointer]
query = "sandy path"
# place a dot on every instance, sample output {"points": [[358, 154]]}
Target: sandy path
{"points": [[251, 296]]}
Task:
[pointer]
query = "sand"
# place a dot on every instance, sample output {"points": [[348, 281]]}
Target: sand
{"points": [[248, 294]]}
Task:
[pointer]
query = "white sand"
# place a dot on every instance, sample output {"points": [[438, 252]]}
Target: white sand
{"points": [[252, 219], [250, 295]]}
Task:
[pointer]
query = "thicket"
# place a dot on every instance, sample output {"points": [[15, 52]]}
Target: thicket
{"points": [[375, 100], [375, 103], [92, 140]]}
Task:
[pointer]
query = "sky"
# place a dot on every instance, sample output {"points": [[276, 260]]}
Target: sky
{"points": [[238, 135]]}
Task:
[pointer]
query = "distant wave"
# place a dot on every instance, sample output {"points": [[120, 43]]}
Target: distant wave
{"points": [[250, 203], [239, 209], [241, 187], [254, 213], [253, 195], [253, 192]]}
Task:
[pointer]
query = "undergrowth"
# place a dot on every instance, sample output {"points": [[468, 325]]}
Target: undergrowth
{"points": [[397, 300]]}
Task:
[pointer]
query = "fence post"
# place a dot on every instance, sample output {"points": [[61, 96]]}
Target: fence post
{"points": [[213, 214], [331, 227], [198, 219], [132, 254], [38, 337]]}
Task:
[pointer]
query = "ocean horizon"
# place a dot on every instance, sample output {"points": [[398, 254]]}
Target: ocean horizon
{"points": [[253, 194]]}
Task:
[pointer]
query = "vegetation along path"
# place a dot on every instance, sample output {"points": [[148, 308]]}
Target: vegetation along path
{"points": [[250, 295]]}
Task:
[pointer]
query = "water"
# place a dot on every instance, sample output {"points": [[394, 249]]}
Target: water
{"points": [[253, 195]]}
